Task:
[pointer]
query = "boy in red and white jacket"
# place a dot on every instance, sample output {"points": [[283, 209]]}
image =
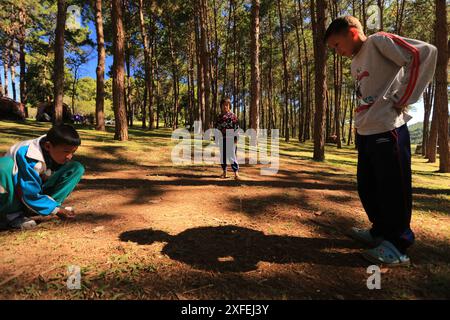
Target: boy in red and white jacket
{"points": [[391, 72]]}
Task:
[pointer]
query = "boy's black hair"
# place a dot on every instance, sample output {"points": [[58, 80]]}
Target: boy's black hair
{"points": [[63, 134], [342, 24]]}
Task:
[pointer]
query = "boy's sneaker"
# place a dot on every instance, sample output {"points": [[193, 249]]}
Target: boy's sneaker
{"points": [[364, 236], [22, 223], [386, 254]]}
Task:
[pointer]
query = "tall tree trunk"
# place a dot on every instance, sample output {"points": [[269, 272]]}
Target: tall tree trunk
{"points": [[200, 80], [272, 111], [74, 90], [127, 90], [344, 116], [428, 96], [235, 46], [191, 90], [237, 78], [147, 65], [214, 64], [121, 129], [301, 112], [327, 115], [285, 74], [225, 90], [157, 75], [100, 71], [399, 16], [244, 68], [1, 87], [433, 136], [58, 74], [318, 14], [337, 100], [441, 97], [380, 4], [352, 110], [21, 40], [12, 67], [307, 117], [364, 19], [205, 60], [5, 71], [144, 108], [174, 74], [255, 73]]}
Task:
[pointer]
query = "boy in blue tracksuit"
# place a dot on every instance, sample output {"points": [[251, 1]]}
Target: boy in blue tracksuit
{"points": [[37, 175]]}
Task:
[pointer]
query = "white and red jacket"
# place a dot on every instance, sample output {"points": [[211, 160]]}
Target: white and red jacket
{"points": [[390, 71]]}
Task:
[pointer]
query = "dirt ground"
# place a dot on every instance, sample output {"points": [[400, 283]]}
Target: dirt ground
{"points": [[151, 230]]}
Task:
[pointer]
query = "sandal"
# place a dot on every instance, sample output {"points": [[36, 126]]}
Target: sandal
{"points": [[387, 254]]}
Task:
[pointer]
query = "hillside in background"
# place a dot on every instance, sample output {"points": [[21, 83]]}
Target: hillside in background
{"points": [[416, 132]]}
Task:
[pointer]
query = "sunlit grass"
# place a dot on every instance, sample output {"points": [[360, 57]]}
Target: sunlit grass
{"points": [[154, 147]]}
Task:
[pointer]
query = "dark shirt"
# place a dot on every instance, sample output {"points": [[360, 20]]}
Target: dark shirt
{"points": [[227, 121]]}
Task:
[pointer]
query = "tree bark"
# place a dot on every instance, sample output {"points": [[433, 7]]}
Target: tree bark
{"points": [[350, 130], [174, 75], [272, 111], [433, 137], [255, 72], [5, 71], [121, 128], [337, 100], [285, 75], [428, 96], [307, 117], [100, 71], [58, 75], [205, 61], [399, 16], [441, 97], [147, 65], [301, 112], [380, 4], [12, 67], [318, 14], [200, 113], [21, 40]]}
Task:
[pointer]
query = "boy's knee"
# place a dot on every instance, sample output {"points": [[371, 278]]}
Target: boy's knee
{"points": [[6, 165], [77, 168]]}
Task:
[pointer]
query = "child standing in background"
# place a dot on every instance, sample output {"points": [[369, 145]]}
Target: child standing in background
{"points": [[225, 121]]}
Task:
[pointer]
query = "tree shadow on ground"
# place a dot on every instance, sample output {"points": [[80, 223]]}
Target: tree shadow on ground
{"points": [[51, 221], [258, 206], [236, 249], [426, 202], [142, 190], [195, 181]]}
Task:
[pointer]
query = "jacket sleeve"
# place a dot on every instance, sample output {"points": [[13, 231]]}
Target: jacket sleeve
{"points": [[30, 184], [417, 62]]}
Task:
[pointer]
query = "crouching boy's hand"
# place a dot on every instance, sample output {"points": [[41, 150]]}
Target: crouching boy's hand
{"points": [[63, 213]]}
